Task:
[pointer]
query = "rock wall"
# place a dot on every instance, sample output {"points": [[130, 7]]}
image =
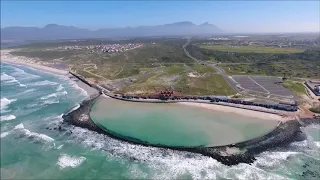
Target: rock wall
{"points": [[232, 154]]}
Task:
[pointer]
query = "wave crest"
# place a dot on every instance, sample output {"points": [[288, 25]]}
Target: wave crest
{"points": [[4, 102], [10, 80], [44, 83], [54, 95], [37, 136], [70, 161], [7, 117]]}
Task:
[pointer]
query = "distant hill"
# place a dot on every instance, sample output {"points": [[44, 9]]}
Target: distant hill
{"points": [[54, 31]]}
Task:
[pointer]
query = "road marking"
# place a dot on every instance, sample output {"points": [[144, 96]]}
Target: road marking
{"points": [[268, 92]]}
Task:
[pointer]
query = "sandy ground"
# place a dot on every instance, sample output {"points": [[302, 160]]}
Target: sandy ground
{"points": [[192, 75], [19, 60], [243, 112]]}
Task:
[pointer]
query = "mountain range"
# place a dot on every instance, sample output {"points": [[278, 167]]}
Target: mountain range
{"points": [[54, 31]]}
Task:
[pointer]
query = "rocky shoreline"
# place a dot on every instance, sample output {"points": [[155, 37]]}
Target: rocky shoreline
{"points": [[243, 152]]}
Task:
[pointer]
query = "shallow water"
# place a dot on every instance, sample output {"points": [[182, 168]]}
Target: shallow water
{"points": [[30, 151], [176, 124]]}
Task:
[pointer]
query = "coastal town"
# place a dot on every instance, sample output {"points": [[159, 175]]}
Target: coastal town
{"points": [[282, 42], [105, 48]]}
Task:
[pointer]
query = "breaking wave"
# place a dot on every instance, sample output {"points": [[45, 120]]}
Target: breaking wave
{"points": [[65, 161], [24, 75], [54, 95], [75, 108], [4, 104], [44, 83], [83, 92], [6, 77], [37, 136], [171, 164], [10, 80], [7, 117], [60, 87], [167, 163], [4, 134]]}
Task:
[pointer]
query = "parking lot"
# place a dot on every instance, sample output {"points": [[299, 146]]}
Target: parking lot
{"points": [[264, 85]]}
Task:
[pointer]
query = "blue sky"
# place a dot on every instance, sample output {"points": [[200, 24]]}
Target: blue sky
{"points": [[231, 16]]}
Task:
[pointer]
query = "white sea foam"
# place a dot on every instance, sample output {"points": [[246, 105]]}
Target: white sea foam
{"points": [[10, 80], [19, 126], [54, 95], [43, 83], [36, 106], [83, 92], [4, 134], [4, 103], [60, 87], [167, 164], [35, 135], [75, 108], [24, 75], [70, 161], [7, 117], [6, 77], [31, 134], [47, 102], [272, 159]]}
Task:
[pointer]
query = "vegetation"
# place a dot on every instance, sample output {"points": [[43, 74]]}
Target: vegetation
{"points": [[295, 69], [305, 64], [208, 84], [144, 70], [296, 87], [253, 49], [203, 69], [172, 70]]}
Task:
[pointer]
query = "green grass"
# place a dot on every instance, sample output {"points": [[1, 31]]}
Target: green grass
{"points": [[203, 69], [299, 69], [253, 49], [173, 70], [242, 69], [210, 84], [296, 87]]}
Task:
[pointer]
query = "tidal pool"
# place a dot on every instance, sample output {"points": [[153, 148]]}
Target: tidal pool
{"points": [[175, 125]]}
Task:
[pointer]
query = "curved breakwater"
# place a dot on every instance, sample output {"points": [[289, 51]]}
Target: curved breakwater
{"points": [[231, 154]]}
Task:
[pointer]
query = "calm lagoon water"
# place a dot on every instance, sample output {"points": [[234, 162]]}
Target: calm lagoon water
{"points": [[175, 124], [32, 101]]}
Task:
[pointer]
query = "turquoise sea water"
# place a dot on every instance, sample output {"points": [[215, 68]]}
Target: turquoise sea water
{"points": [[32, 102]]}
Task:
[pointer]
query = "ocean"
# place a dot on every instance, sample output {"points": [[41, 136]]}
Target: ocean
{"points": [[32, 104]]}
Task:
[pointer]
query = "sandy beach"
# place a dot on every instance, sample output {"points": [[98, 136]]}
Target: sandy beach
{"points": [[242, 112], [30, 62]]}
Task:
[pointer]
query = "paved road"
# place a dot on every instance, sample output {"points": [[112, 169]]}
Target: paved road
{"points": [[233, 84]]}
